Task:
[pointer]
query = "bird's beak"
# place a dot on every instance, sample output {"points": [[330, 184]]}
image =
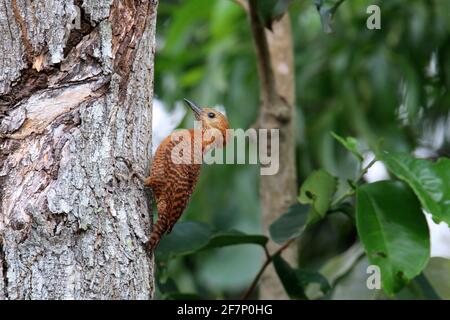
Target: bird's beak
{"points": [[196, 109]]}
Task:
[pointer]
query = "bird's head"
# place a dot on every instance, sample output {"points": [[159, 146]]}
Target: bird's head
{"points": [[210, 119]]}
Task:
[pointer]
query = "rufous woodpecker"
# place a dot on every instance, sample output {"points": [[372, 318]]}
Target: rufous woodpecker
{"points": [[173, 181]]}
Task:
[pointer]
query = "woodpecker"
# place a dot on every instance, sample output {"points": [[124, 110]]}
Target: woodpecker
{"points": [[176, 166]]}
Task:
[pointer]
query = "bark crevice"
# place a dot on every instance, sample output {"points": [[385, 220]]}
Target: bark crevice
{"points": [[86, 26], [23, 31]]}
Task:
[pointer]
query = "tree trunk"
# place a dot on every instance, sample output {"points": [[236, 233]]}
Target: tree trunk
{"points": [[76, 89], [277, 86], [279, 191]]}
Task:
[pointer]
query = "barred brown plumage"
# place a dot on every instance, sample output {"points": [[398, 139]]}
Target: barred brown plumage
{"points": [[173, 175]]}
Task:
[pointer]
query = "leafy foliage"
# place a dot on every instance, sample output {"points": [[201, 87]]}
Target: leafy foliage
{"points": [[295, 281], [394, 232], [359, 85], [189, 237], [430, 181], [185, 238], [351, 144], [289, 225], [318, 190], [340, 265]]}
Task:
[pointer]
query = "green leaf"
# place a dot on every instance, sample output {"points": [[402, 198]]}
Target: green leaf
{"points": [[295, 281], [337, 268], [351, 144], [340, 265], [234, 237], [188, 237], [318, 190], [271, 10], [393, 230], [289, 225], [429, 180]]}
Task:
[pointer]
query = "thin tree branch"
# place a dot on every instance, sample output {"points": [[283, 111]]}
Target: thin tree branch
{"points": [[267, 77], [359, 178], [266, 252], [269, 259]]}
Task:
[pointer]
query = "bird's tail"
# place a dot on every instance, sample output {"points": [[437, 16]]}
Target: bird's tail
{"points": [[159, 228]]}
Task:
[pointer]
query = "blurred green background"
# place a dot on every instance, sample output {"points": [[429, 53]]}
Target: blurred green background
{"points": [[391, 83]]}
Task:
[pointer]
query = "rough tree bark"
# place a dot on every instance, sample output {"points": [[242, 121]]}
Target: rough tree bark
{"points": [[277, 89], [76, 88]]}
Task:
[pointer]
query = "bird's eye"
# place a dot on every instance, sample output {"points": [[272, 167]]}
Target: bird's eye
{"points": [[211, 115]]}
